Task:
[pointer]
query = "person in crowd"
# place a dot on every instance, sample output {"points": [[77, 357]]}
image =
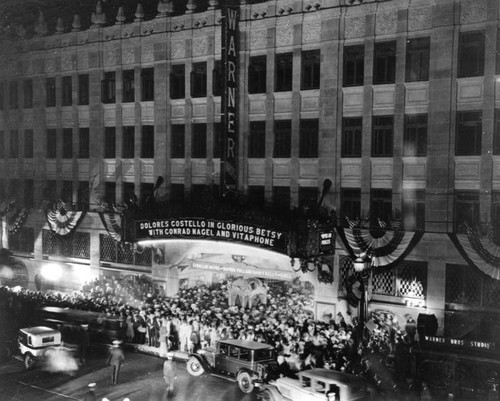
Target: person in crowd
{"points": [[84, 343], [163, 337], [284, 369], [169, 373], [116, 357]]}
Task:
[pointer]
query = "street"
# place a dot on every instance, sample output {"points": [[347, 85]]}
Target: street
{"points": [[141, 379]]}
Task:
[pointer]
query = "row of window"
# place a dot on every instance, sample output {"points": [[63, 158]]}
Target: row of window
{"points": [[468, 140], [308, 142], [470, 63]]}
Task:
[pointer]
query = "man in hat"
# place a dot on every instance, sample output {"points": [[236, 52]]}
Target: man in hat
{"points": [[84, 343], [169, 372], [115, 358], [90, 394]]}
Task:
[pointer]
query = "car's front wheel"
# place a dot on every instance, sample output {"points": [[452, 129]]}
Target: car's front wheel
{"points": [[245, 382], [194, 367], [29, 361]]}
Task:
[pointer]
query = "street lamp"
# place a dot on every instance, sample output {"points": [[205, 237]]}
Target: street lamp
{"points": [[362, 265]]}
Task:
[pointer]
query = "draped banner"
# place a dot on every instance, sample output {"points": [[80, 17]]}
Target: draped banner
{"points": [[61, 220], [478, 251], [113, 224], [384, 247], [17, 219]]}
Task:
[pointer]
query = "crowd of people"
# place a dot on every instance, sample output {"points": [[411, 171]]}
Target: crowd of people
{"points": [[200, 316]]}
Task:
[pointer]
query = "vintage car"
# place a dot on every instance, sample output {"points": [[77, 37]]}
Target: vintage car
{"points": [[316, 385], [247, 362], [34, 342]]}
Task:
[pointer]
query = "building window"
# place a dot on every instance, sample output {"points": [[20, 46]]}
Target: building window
{"points": [[463, 285], [466, 210], [469, 133], [67, 143], [381, 205], [284, 72], [177, 143], [471, 54], [110, 192], [415, 137], [352, 134], [128, 77], [382, 140], [217, 78], [147, 84], [281, 198], [199, 80], [83, 195], [199, 141], [29, 193], [177, 82], [308, 197], [83, 89], [67, 91], [496, 133], [257, 140], [51, 143], [2, 147], [2, 94], [128, 141], [14, 145], [417, 59], [148, 142], [311, 61], [147, 193], [50, 92], [414, 209], [282, 139], [408, 280], [28, 93], [28, 144], [256, 195], [109, 142], [109, 87], [67, 191], [217, 140], [350, 206], [13, 95], [83, 143], [50, 191], [384, 63], [257, 74], [308, 138], [177, 192], [495, 217], [128, 193], [354, 65]]}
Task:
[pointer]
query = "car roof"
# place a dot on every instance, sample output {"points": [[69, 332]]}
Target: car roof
{"points": [[341, 379], [247, 344], [39, 330]]}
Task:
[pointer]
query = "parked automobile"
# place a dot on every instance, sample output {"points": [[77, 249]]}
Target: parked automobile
{"points": [[247, 362], [317, 385], [34, 342]]}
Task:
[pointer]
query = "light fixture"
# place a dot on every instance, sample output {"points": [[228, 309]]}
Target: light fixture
{"points": [[361, 264]]}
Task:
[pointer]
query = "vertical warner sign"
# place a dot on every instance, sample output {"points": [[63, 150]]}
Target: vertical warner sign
{"points": [[230, 68]]}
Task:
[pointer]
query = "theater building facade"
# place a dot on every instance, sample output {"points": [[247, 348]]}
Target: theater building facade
{"points": [[393, 103]]}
